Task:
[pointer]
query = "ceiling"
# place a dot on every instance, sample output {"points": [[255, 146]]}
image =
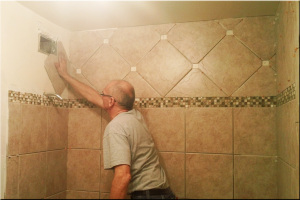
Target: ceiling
{"points": [[91, 15]]}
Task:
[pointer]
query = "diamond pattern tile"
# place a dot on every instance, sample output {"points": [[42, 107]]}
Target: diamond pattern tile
{"points": [[72, 94], [234, 64], [163, 67], [105, 65], [258, 33], [83, 45], [141, 87], [261, 83], [163, 29], [134, 43], [196, 84], [196, 39]]}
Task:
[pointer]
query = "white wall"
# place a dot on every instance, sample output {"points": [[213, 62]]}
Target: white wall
{"points": [[22, 66]]}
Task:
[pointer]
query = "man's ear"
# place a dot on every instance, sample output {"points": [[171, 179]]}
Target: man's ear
{"points": [[111, 102]]}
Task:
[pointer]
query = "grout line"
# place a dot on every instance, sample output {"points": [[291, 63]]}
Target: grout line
{"points": [[46, 177], [148, 83], [185, 152], [220, 88], [285, 162], [238, 39], [179, 81], [85, 191], [247, 79], [92, 54], [213, 47], [232, 152], [19, 173], [56, 193]]}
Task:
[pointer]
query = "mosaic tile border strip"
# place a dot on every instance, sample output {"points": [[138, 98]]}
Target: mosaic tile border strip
{"points": [[35, 99], [158, 102], [286, 95]]}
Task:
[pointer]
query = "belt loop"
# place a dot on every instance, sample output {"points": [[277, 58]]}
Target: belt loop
{"points": [[147, 194]]}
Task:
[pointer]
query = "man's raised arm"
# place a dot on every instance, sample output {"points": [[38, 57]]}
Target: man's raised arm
{"points": [[86, 91]]}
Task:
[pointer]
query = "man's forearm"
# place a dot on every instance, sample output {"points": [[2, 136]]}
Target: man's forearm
{"points": [[119, 188], [86, 91], [120, 182]]}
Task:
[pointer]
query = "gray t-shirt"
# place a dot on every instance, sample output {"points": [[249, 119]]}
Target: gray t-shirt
{"points": [[127, 141]]}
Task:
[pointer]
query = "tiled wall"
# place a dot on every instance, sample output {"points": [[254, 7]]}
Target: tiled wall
{"points": [[37, 155], [207, 91], [230, 57], [287, 64], [181, 68]]}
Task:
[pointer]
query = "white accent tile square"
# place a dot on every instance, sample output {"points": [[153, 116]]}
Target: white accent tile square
{"points": [[106, 41], [229, 32], [163, 37]]}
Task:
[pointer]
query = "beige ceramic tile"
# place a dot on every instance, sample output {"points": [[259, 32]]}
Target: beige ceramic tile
{"points": [[84, 128], [56, 172], [196, 39], [32, 176], [174, 165], [61, 195], [163, 67], [12, 180], [261, 83], [83, 170], [104, 195], [141, 87], [209, 176], [209, 130], [105, 65], [83, 45], [258, 33], [255, 177], [295, 182], [82, 195], [58, 83], [229, 24], [284, 180], [106, 177], [195, 84], [57, 137], [286, 132], [167, 128], [34, 129], [14, 128], [72, 93], [134, 43], [223, 64], [255, 131], [288, 44]]}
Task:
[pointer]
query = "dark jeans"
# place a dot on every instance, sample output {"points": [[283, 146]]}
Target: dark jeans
{"points": [[148, 194]]}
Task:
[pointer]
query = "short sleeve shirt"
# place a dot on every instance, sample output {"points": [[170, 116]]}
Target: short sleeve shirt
{"points": [[127, 141]]}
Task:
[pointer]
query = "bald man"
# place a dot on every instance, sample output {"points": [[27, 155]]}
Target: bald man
{"points": [[128, 147]]}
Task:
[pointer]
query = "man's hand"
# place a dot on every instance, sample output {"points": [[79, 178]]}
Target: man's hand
{"points": [[61, 66]]}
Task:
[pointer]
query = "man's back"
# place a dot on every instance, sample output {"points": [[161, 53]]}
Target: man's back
{"points": [[127, 141]]}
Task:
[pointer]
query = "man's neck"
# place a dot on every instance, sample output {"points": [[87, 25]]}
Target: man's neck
{"points": [[116, 112]]}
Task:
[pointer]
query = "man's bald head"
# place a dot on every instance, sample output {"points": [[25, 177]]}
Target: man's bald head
{"points": [[123, 92]]}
